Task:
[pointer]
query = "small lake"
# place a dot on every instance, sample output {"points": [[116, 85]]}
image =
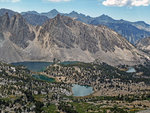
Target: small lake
{"points": [[39, 66], [42, 77], [79, 90], [131, 70], [34, 66]]}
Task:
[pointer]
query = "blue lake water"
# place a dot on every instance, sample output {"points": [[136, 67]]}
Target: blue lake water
{"points": [[40, 66], [131, 70], [42, 77], [34, 66], [79, 90]]}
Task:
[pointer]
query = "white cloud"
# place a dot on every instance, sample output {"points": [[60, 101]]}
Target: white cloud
{"points": [[14, 1], [131, 3], [59, 0]]}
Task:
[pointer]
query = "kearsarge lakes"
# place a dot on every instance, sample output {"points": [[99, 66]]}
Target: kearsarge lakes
{"points": [[78, 90]]}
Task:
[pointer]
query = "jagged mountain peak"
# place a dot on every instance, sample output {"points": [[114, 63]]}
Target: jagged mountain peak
{"points": [[53, 11], [73, 12], [103, 16], [59, 19], [10, 12], [51, 14]]}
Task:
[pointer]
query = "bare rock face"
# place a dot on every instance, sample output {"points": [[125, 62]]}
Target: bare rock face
{"points": [[66, 39], [4, 22], [87, 42], [14, 37], [19, 29], [67, 33], [144, 44]]}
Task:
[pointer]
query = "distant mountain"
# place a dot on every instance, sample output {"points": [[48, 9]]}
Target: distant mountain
{"points": [[65, 39], [79, 17], [30, 12], [132, 31], [144, 44], [141, 25], [51, 14], [35, 19], [103, 19], [127, 30]]}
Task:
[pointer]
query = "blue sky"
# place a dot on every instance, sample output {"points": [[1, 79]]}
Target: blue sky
{"points": [[132, 10]]}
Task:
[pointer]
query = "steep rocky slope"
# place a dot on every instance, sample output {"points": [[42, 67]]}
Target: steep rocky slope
{"points": [[132, 31], [3, 11], [15, 35], [35, 19], [144, 44], [66, 39]]}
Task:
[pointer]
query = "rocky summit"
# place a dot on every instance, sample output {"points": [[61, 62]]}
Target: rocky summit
{"points": [[65, 39]]}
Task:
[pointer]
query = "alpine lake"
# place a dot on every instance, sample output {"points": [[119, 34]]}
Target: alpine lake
{"points": [[77, 90]]}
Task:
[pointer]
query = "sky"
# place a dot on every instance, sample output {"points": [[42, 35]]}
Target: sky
{"points": [[131, 10]]}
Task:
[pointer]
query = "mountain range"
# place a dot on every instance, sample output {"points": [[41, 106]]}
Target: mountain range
{"points": [[63, 38], [132, 31]]}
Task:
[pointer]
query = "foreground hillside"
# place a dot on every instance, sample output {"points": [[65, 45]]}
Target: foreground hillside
{"points": [[115, 91], [101, 77], [65, 39], [20, 92]]}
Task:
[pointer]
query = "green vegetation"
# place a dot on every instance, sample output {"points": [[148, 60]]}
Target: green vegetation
{"points": [[145, 69], [50, 108], [20, 92]]}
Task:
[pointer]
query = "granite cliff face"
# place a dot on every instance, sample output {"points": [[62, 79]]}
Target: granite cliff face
{"points": [[66, 39]]}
